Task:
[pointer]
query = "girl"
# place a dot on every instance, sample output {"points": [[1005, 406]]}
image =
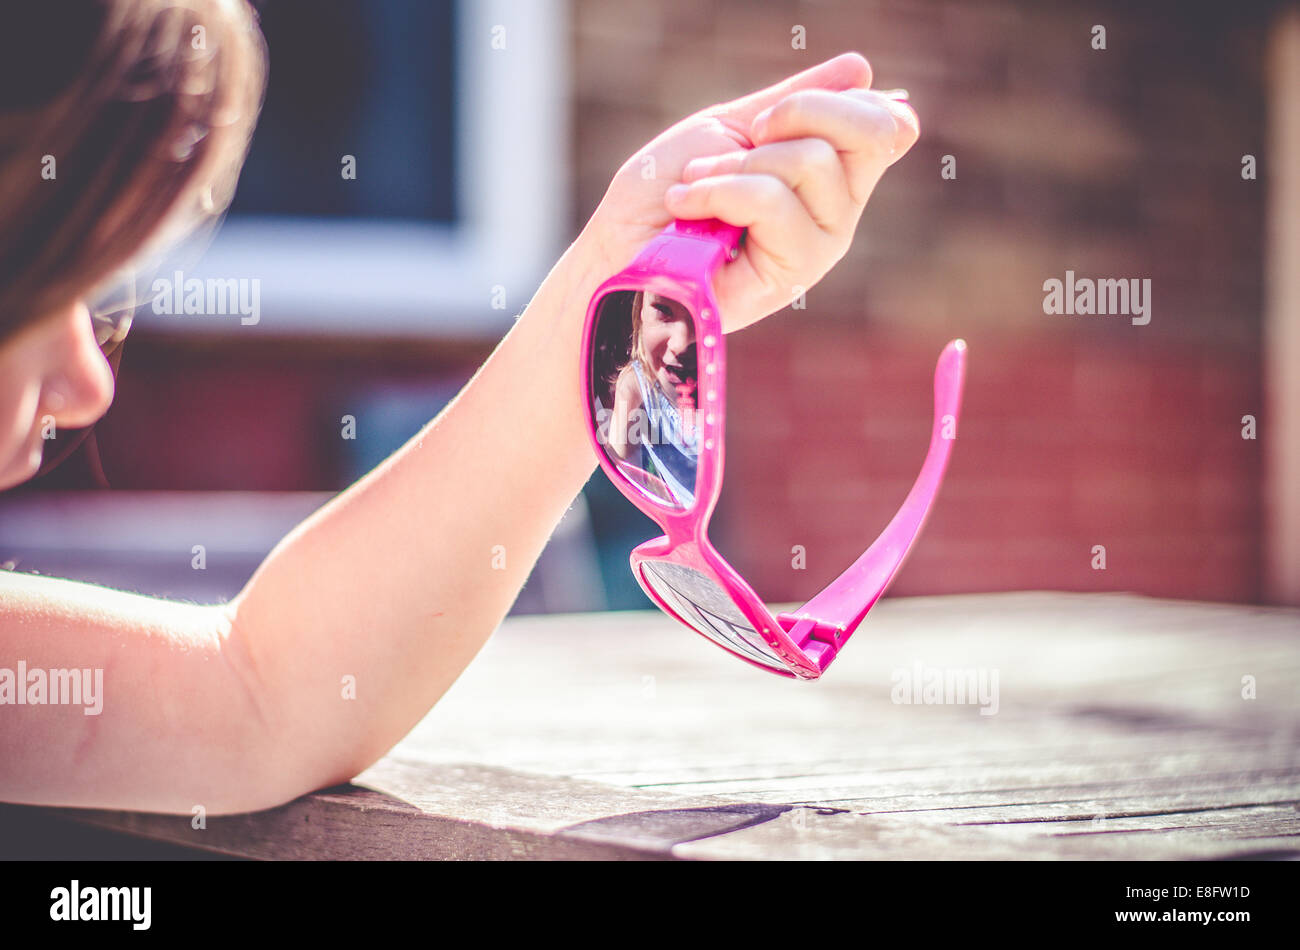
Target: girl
{"points": [[238, 706], [652, 426]]}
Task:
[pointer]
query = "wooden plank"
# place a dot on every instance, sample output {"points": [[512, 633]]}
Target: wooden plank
{"points": [[810, 834], [918, 763], [447, 812], [1121, 732], [964, 779]]}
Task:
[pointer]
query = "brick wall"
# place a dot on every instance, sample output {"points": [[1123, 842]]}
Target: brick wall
{"points": [[1077, 430]]}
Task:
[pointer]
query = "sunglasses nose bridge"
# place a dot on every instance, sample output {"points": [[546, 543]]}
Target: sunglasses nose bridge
{"points": [[681, 533]]}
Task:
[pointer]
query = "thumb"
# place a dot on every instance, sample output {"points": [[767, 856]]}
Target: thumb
{"points": [[846, 71]]}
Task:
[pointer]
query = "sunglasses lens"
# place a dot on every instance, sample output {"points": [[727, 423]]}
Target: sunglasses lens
{"points": [[703, 604], [133, 288], [110, 327], [643, 383], [114, 306]]}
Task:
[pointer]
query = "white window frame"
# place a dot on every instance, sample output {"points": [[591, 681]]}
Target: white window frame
{"points": [[322, 277]]}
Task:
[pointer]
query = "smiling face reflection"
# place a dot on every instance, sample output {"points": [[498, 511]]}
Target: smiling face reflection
{"points": [[644, 381], [668, 345]]}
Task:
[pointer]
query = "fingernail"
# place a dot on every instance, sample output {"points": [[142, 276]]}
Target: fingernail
{"points": [[675, 193], [898, 94], [761, 120]]}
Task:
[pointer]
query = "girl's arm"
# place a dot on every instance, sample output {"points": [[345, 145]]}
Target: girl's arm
{"points": [[399, 580], [627, 399], [396, 582]]}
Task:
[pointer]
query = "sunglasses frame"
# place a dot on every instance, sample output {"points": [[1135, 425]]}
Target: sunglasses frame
{"points": [[116, 322], [679, 263]]}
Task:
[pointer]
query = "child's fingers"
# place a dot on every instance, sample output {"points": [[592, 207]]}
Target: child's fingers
{"points": [[846, 71], [780, 228], [810, 167], [745, 201], [869, 131], [909, 124]]}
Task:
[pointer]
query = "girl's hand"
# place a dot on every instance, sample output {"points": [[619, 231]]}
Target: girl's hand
{"points": [[793, 163]]}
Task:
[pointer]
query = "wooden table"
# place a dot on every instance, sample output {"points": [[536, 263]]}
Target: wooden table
{"points": [[1121, 731]]}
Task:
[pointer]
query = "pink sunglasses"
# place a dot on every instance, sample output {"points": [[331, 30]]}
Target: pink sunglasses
{"points": [[652, 347]]}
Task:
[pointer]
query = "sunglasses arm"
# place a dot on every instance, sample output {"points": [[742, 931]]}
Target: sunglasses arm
{"points": [[834, 613]]}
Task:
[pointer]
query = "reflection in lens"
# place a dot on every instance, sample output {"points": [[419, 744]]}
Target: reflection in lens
{"points": [[644, 381], [706, 607]]}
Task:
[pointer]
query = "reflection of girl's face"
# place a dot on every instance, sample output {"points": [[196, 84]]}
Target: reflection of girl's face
{"points": [[668, 341]]}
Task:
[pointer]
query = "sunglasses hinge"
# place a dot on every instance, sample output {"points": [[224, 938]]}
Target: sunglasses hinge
{"points": [[803, 629]]}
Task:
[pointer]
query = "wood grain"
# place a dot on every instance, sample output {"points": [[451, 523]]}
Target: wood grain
{"points": [[1120, 732]]}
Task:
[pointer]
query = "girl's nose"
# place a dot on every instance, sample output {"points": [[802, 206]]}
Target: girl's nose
{"points": [[78, 385]]}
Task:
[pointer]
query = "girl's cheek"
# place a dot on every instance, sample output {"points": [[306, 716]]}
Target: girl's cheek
{"points": [[657, 342]]}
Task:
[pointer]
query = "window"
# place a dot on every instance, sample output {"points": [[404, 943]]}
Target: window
{"points": [[461, 180]]}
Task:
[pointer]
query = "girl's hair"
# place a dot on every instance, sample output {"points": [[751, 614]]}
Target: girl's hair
{"points": [[635, 350], [122, 123], [638, 351]]}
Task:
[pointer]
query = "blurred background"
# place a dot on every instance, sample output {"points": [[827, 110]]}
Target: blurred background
{"points": [[484, 134]]}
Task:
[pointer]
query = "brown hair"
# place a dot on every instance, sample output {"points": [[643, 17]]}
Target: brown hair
{"points": [[619, 362], [637, 350], [120, 121]]}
